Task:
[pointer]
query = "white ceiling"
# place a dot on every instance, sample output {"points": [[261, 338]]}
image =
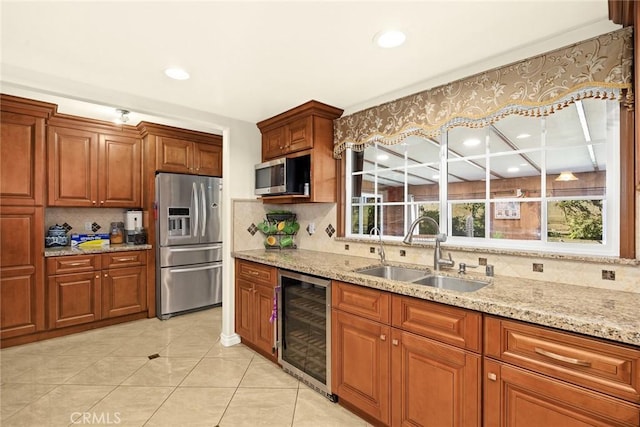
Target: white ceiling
{"points": [[252, 60]]}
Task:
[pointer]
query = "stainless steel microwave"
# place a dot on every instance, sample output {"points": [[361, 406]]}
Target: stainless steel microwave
{"points": [[286, 175]]}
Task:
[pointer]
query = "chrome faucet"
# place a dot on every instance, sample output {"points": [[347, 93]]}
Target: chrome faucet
{"points": [[383, 258], [438, 238]]}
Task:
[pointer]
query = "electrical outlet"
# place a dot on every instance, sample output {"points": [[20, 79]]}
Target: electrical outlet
{"points": [[88, 226]]}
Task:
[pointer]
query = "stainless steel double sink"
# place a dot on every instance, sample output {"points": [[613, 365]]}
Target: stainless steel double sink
{"points": [[422, 277]]}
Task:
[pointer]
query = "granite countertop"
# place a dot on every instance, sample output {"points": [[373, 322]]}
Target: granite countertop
{"points": [[608, 314], [68, 250]]}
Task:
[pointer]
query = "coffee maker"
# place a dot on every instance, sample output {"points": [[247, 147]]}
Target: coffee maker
{"points": [[134, 233]]}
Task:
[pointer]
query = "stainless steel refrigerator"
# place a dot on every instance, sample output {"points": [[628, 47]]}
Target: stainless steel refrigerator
{"points": [[188, 243]]}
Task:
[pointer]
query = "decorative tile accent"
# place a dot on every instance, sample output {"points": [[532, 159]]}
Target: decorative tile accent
{"points": [[67, 227], [403, 252], [252, 229], [346, 247], [538, 268], [330, 230], [608, 275], [482, 261], [372, 250], [95, 227]]}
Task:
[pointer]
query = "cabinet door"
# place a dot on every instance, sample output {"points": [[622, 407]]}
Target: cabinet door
{"points": [[21, 271], [73, 167], [299, 135], [124, 291], [208, 159], [360, 360], [244, 309], [433, 384], [274, 143], [120, 171], [174, 155], [519, 398], [74, 299], [21, 159], [264, 328]]}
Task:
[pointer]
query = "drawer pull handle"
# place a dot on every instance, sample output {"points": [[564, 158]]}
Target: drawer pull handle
{"points": [[562, 358], [73, 264], [254, 273], [383, 337], [125, 259], [492, 376]]}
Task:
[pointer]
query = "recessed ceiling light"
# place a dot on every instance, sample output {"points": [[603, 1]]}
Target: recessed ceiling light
{"points": [[523, 136], [389, 38], [513, 169], [176, 73], [471, 142], [382, 157]]}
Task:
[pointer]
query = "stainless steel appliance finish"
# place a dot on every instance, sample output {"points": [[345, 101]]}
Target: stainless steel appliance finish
{"points": [[189, 243], [304, 329]]}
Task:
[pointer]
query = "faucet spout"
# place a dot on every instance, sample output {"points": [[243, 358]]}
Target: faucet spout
{"points": [[383, 257], [438, 238]]}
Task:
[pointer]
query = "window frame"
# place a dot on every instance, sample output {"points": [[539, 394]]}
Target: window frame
{"points": [[628, 162]]}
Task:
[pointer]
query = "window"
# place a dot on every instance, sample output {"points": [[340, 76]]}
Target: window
{"points": [[523, 182]]}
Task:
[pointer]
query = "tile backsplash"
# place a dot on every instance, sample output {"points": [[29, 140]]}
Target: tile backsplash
{"points": [[99, 219], [620, 276]]}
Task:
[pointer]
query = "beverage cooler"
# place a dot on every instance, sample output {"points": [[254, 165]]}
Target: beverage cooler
{"points": [[304, 329]]}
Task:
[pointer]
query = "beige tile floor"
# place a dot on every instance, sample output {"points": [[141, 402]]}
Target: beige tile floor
{"points": [[104, 377]]}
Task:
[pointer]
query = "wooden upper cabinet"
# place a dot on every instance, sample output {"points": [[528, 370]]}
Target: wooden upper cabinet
{"points": [[289, 138], [177, 150], [22, 150], [304, 130], [91, 164], [174, 155], [298, 129], [208, 159], [73, 167], [119, 171]]}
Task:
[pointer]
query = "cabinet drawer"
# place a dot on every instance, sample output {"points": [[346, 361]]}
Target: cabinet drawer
{"points": [[256, 273], [124, 259], [365, 302], [72, 264], [610, 368], [456, 326]]}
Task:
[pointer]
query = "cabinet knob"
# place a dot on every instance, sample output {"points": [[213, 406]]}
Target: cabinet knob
{"points": [[97, 276], [106, 275], [394, 342], [93, 202], [383, 337], [492, 376], [102, 202]]}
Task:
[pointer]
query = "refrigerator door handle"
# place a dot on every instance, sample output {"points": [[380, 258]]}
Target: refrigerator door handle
{"points": [[190, 269], [198, 249], [204, 209], [194, 197]]}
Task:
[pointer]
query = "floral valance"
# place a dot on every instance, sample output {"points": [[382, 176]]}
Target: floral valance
{"points": [[595, 68]]}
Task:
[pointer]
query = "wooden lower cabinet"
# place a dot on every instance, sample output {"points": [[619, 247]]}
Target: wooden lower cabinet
{"points": [[22, 292], [74, 299], [400, 378], [255, 292], [433, 384], [361, 363], [520, 398], [124, 291], [87, 288]]}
